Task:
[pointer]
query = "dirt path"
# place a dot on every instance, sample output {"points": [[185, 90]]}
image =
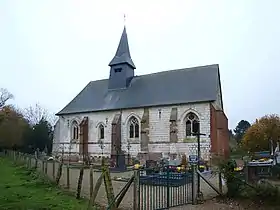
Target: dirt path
{"points": [[209, 205], [229, 205]]}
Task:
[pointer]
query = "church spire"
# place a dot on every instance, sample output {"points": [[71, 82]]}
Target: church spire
{"points": [[122, 55]]}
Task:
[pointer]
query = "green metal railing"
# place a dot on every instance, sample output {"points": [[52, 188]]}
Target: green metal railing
{"points": [[162, 189]]}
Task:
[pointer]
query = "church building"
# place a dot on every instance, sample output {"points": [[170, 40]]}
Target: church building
{"points": [[147, 116]]}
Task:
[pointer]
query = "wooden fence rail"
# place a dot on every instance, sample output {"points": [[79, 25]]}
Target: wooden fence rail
{"points": [[72, 178]]}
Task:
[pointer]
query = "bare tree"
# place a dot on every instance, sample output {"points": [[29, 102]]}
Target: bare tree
{"points": [[5, 95], [36, 113]]}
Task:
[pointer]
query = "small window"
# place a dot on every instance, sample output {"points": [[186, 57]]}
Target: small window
{"points": [[159, 113], [75, 131], [118, 70]]}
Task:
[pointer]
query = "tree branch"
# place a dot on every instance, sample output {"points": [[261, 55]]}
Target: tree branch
{"points": [[5, 95]]}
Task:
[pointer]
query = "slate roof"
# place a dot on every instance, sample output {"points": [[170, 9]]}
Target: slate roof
{"points": [[197, 84], [123, 53]]}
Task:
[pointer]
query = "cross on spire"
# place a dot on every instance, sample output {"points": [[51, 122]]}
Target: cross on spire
{"points": [[124, 19]]}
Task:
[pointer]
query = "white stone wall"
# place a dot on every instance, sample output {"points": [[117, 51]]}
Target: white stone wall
{"points": [[159, 126], [158, 134], [126, 114], [159, 129]]}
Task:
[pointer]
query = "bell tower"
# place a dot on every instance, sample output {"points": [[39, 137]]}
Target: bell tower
{"points": [[122, 66]]}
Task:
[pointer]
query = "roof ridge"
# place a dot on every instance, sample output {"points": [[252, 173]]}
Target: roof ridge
{"points": [[181, 69], [99, 80]]}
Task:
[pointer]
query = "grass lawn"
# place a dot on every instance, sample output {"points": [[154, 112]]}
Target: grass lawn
{"points": [[23, 189]]}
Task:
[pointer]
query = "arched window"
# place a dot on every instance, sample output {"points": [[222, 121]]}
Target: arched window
{"points": [[133, 127], [75, 131], [101, 131], [192, 124]]}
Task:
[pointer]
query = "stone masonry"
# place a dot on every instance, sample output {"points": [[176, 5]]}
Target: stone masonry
{"points": [[162, 129]]}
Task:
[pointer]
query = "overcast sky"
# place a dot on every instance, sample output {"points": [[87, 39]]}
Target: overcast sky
{"points": [[50, 49]]}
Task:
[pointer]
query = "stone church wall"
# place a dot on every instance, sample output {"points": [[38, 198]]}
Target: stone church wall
{"points": [[218, 105], [158, 130]]}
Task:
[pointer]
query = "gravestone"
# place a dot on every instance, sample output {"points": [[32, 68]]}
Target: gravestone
{"points": [[150, 166], [151, 163], [118, 162]]}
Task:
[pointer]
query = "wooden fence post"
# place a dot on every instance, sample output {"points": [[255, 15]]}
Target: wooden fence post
{"points": [[53, 169], [95, 191], [108, 184], [91, 180], [43, 165], [36, 160], [20, 159], [80, 181], [194, 183], [24, 159], [122, 193], [36, 163], [136, 192], [29, 162], [46, 167], [68, 176], [220, 182], [246, 171], [59, 173]]}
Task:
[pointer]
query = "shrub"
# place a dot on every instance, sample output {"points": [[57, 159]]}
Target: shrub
{"points": [[266, 192], [263, 191], [234, 185]]}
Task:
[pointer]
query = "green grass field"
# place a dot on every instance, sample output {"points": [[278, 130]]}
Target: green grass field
{"points": [[22, 189]]}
